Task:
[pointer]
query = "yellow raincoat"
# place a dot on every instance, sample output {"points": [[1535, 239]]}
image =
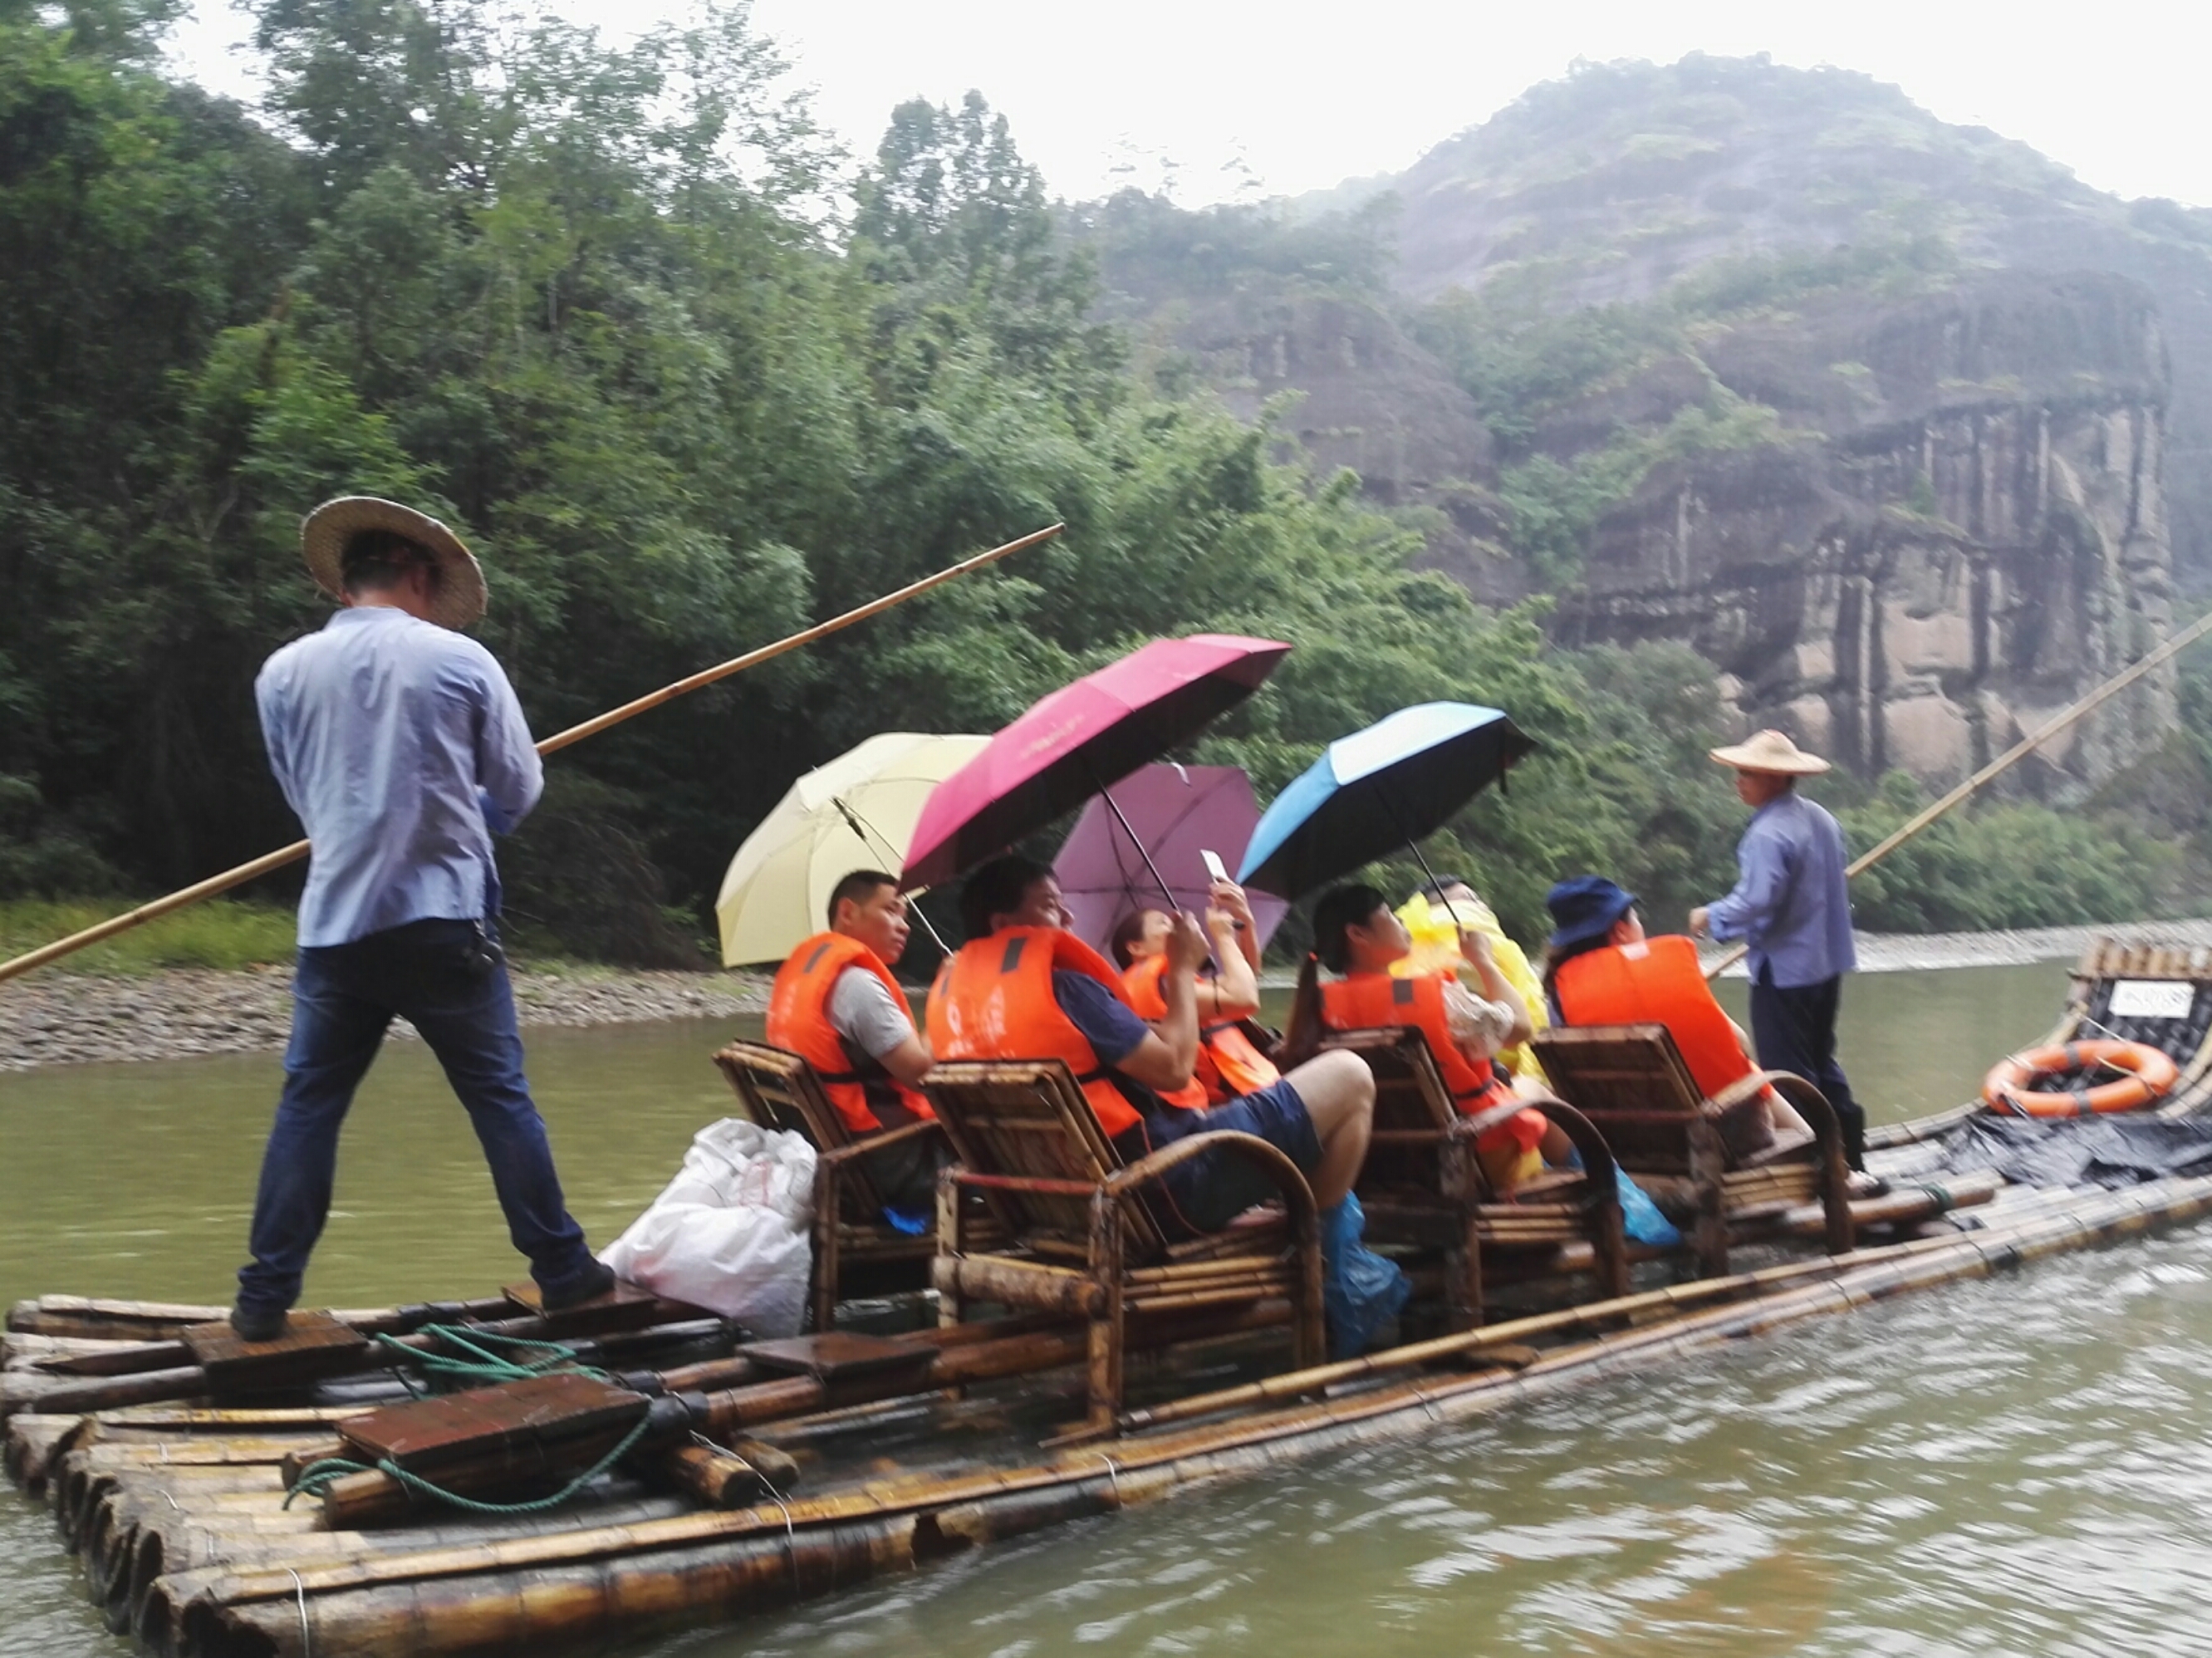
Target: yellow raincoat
{"points": [[1436, 948]]}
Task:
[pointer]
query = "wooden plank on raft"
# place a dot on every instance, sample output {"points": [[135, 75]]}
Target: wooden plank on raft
{"points": [[625, 1307], [838, 1355], [313, 1346], [517, 1420]]}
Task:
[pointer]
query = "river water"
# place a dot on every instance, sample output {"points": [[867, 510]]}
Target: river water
{"points": [[2023, 1466]]}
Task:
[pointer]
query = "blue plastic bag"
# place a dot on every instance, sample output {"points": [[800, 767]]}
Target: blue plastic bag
{"points": [[1640, 1217], [1361, 1290]]}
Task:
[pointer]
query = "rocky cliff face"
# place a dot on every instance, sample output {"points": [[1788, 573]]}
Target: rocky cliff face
{"points": [[1962, 349], [1966, 533]]}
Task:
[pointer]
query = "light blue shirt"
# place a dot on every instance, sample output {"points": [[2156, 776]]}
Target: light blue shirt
{"points": [[1790, 903], [402, 747]]}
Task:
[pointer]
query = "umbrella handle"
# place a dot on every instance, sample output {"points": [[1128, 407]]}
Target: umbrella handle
{"points": [[862, 829], [1166, 891], [1414, 847]]}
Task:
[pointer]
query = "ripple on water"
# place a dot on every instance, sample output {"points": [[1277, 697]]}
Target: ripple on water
{"points": [[2017, 1466]]}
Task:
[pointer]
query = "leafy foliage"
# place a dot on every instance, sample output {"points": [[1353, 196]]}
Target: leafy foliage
{"points": [[594, 304]]}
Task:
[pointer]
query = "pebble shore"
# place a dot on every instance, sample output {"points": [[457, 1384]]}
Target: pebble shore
{"points": [[77, 1019]]}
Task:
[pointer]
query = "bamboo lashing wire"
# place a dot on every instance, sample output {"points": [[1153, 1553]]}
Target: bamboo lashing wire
{"points": [[1927, 815], [592, 727]]}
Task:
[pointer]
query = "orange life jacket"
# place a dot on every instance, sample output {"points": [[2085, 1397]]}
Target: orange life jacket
{"points": [[1375, 1001], [799, 1021], [1657, 981], [1229, 1065], [993, 1000]]}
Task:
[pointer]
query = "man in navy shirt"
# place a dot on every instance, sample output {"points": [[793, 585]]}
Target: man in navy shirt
{"points": [[401, 746], [1792, 908]]}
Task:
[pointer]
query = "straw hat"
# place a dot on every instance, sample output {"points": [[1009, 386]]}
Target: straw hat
{"points": [[324, 531], [1772, 752]]}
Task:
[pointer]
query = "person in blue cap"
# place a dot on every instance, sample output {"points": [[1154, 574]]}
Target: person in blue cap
{"points": [[1601, 969]]}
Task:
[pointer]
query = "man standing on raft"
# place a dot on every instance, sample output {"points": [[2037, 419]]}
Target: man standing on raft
{"points": [[401, 746], [1791, 905]]}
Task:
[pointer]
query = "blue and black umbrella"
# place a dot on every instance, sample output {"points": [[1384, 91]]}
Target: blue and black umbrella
{"points": [[1377, 790]]}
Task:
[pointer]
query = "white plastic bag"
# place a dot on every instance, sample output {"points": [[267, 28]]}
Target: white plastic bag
{"points": [[733, 1231]]}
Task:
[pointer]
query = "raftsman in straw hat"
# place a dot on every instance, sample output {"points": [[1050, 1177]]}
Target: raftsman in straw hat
{"points": [[325, 532], [1772, 752]]}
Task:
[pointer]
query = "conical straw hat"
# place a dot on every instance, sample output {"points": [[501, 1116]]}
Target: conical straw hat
{"points": [[324, 531], [1771, 751]]}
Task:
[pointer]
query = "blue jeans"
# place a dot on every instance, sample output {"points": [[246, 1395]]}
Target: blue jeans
{"points": [[449, 980]]}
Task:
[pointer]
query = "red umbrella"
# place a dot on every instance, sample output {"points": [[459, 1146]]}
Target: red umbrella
{"points": [[1072, 744]]}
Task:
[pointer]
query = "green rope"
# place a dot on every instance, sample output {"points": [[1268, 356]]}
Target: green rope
{"points": [[317, 1478], [477, 1360]]}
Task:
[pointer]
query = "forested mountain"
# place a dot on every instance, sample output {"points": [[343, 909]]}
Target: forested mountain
{"points": [[685, 381], [1874, 411]]}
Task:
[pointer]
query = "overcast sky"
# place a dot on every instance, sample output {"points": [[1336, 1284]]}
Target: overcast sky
{"points": [[1225, 99]]}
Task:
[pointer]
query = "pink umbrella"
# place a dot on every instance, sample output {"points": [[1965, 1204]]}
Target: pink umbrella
{"points": [[1072, 744], [1175, 813]]}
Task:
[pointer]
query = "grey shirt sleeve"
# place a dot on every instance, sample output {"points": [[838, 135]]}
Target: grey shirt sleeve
{"points": [[867, 1015]]}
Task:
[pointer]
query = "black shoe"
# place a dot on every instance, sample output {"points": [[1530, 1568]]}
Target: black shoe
{"points": [[595, 1280], [257, 1323]]}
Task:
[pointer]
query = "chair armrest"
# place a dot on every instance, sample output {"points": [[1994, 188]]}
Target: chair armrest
{"points": [[908, 1131], [1807, 1101], [1298, 1196], [1597, 1156], [1492, 1117], [1041, 1184]]}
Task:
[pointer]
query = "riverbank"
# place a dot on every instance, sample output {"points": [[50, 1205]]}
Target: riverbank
{"points": [[64, 1018], [83, 1018]]}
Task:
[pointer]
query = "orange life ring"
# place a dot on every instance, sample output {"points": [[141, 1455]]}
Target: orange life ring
{"points": [[2150, 1076]]}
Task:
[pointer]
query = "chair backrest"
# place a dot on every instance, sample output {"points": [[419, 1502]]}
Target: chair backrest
{"points": [[1414, 1109], [1028, 1119], [778, 1089], [1631, 1080]]}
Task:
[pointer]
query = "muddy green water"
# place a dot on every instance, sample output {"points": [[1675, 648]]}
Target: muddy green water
{"points": [[2016, 1466]]}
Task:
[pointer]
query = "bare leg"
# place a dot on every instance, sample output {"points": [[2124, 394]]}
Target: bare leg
{"points": [[1781, 1117], [1339, 1092]]}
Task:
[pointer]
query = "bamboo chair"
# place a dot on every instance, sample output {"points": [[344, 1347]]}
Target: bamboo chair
{"points": [[1694, 1154], [1423, 1185], [856, 1251], [1080, 1237]]}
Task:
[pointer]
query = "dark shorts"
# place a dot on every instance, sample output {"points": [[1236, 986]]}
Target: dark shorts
{"points": [[905, 1175], [1214, 1188]]}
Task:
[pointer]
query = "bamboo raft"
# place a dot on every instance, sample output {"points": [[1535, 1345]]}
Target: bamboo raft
{"points": [[735, 1477]]}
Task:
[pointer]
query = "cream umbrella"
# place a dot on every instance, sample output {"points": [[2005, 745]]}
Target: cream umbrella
{"points": [[856, 812]]}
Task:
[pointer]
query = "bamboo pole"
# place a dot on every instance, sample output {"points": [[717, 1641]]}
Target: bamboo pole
{"points": [[292, 854], [1927, 815]]}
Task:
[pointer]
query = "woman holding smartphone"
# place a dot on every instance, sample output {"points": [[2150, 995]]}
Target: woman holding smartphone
{"points": [[1230, 1062]]}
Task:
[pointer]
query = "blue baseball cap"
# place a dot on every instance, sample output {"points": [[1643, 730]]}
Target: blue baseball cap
{"points": [[1585, 907]]}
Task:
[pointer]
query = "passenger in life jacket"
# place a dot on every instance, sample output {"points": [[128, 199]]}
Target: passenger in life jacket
{"points": [[836, 1005], [1230, 1065], [1025, 987], [1357, 934], [1601, 967]]}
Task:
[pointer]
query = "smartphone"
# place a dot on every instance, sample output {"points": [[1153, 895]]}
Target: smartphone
{"points": [[1214, 867]]}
